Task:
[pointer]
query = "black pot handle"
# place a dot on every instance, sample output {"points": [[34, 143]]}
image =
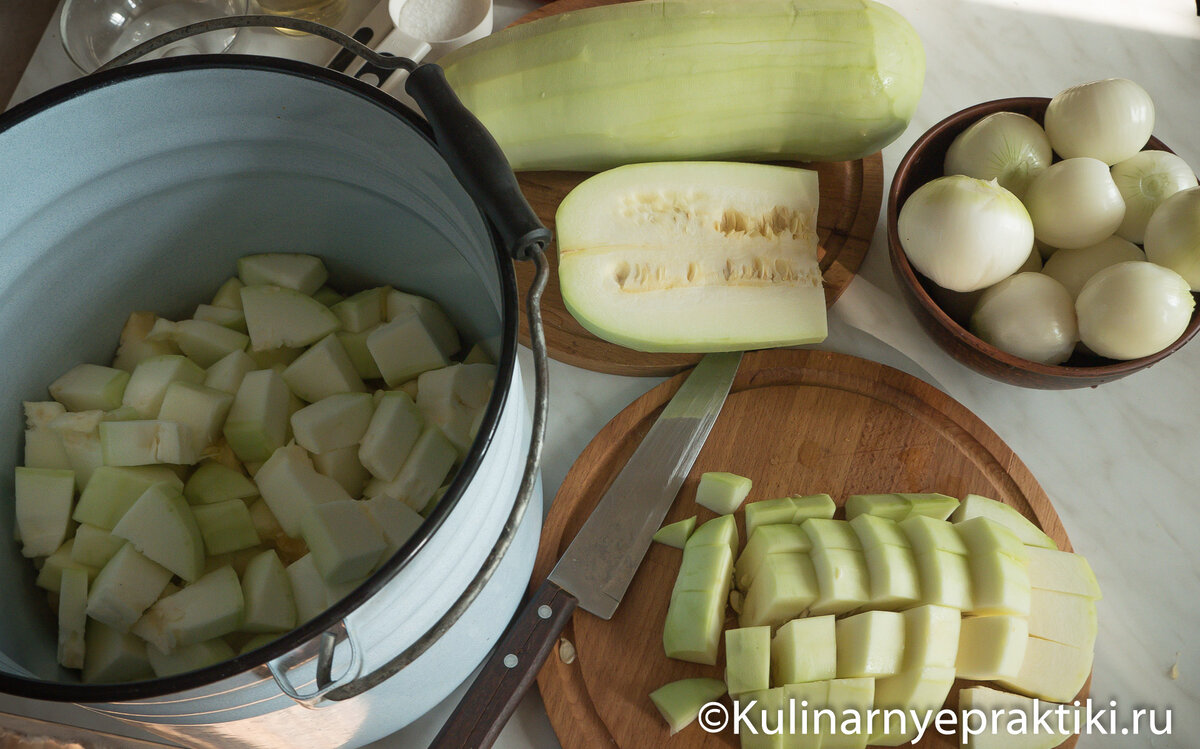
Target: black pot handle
{"points": [[477, 161]]}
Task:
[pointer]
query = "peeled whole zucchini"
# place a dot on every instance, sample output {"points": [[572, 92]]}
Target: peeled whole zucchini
{"points": [[664, 80], [694, 256]]}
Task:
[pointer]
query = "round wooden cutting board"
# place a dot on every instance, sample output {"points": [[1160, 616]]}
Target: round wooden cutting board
{"points": [[796, 422], [851, 196]]}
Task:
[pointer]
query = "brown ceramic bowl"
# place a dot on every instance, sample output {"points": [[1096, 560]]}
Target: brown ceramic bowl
{"points": [[944, 313]]}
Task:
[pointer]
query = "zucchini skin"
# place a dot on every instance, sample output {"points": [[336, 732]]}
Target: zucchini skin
{"points": [[663, 80]]}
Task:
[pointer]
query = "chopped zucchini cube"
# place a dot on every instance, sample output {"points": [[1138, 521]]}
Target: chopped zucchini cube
{"points": [[768, 512], [323, 370], [841, 580], [302, 273], [257, 424], [43, 507], [722, 492], [892, 571], [693, 627], [976, 506], [334, 422], [113, 656], [394, 429], [88, 387], [991, 647], [783, 589], [767, 540], [125, 588], [870, 644], [680, 701], [213, 482], [148, 384], [114, 489], [278, 317], [291, 487], [344, 543], [945, 579], [805, 650], [676, 534], [927, 534], [161, 526], [270, 604], [831, 534], [747, 659], [208, 608], [931, 637], [225, 526]]}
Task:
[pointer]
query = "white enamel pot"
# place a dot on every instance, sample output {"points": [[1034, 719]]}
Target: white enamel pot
{"points": [[138, 188]]}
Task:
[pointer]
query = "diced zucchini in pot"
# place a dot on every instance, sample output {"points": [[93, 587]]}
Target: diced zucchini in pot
{"points": [[767, 540], [208, 608], [205, 342], [334, 422], [360, 357], [201, 409], [452, 398], [291, 487], [94, 546], [270, 605], [114, 489], [265, 524], [278, 317], [680, 701], [44, 449], [50, 575], [692, 631], [238, 560], [43, 508], [307, 587], [89, 387], [930, 636], [135, 347], [976, 506], [404, 348], [343, 466], [394, 519], [768, 512], [148, 384], [676, 534], [161, 526], [945, 579], [302, 273], [831, 534], [747, 659], [344, 543], [433, 317], [147, 442], [80, 437], [991, 647], [722, 492], [363, 310], [213, 482], [72, 617], [273, 358], [226, 317], [323, 370], [226, 375], [804, 650], [257, 423], [784, 587], [393, 431], [426, 466], [125, 588], [229, 295], [841, 580], [870, 644], [226, 526], [188, 657], [113, 656]]}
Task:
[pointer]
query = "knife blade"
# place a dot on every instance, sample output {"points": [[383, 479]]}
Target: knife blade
{"points": [[599, 564]]}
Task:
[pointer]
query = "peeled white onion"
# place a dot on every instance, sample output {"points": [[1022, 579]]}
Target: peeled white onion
{"points": [[1005, 146], [1074, 203], [1109, 120], [1029, 315], [1145, 180], [964, 233], [1173, 235], [1133, 309], [1072, 268]]}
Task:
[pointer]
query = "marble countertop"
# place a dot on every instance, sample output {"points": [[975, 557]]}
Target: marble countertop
{"points": [[1119, 461]]}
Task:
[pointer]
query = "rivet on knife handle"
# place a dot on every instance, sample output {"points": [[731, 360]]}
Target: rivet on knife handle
{"points": [[509, 671]]}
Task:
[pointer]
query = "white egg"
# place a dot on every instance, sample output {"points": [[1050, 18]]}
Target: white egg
{"points": [[1109, 120], [1074, 203], [1133, 309], [1029, 315], [963, 233], [1072, 268]]}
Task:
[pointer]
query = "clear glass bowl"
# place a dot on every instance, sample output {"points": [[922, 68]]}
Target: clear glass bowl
{"points": [[95, 31]]}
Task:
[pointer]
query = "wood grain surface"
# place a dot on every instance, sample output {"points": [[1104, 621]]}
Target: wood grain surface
{"points": [[851, 197], [796, 422]]}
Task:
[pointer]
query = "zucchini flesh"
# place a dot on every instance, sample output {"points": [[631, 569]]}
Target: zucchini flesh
{"points": [[809, 80]]}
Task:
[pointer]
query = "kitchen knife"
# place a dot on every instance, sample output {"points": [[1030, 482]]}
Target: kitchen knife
{"points": [[596, 569]]}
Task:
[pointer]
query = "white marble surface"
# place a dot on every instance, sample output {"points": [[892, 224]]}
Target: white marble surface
{"points": [[1119, 461]]}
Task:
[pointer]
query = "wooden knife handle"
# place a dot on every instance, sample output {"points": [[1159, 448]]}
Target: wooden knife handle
{"points": [[509, 671]]}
